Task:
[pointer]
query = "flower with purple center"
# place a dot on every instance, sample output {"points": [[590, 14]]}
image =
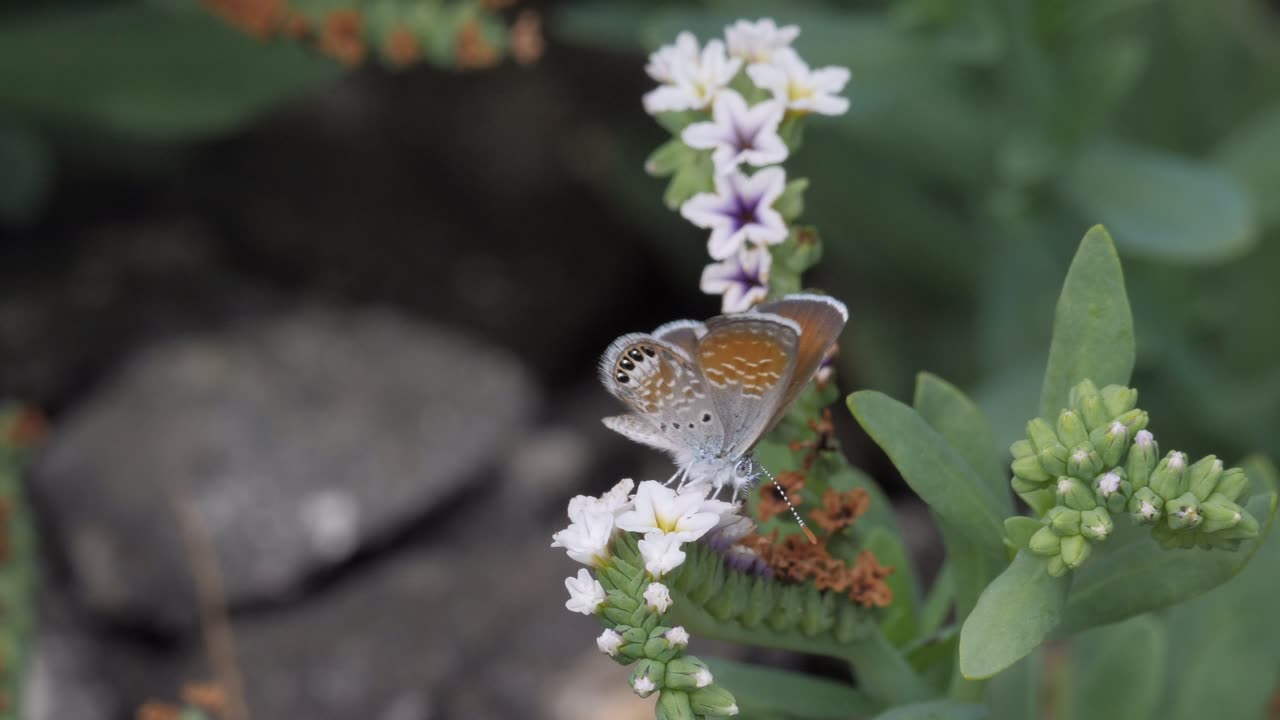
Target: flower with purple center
{"points": [[741, 280], [739, 133], [740, 211]]}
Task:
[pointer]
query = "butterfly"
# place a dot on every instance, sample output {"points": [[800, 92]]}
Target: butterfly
{"points": [[706, 393]]}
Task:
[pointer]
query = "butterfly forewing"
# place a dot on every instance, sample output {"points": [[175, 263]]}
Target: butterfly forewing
{"points": [[666, 393], [821, 318], [747, 361], [684, 334]]}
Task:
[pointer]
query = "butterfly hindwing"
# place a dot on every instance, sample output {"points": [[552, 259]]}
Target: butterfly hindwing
{"points": [[662, 386], [821, 318]]}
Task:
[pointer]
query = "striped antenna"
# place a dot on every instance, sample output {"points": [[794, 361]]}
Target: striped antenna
{"points": [[807, 532]]}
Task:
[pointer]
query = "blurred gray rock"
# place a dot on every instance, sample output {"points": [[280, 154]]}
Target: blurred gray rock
{"points": [[296, 439]]}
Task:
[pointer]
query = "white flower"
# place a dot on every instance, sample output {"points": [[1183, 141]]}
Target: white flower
{"points": [[740, 211], [755, 42], [617, 498], [1177, 460], [741, 280], [669, 61], [690, 79], [1144, 439], [643, 686], [733, 526], [587, 537], [739, 133], [1147, 510], [702, 677], [586, 594], [1109, 484], [609, 642], [677, 637], [662, 510], [799, 88], [657, 597], [661, 553]]}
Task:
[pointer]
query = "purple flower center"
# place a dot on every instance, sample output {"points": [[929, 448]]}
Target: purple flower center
{"points": [[743, 211]]}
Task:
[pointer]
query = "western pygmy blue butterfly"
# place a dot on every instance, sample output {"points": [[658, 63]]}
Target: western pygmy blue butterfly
{"points": [[707, 392]]}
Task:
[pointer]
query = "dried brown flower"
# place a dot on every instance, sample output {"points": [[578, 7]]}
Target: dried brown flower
{"points": [[156, 710], [527, 44], [772, 503], [474, 49], [868, 587], [296, 25], [342, 37], [402, 47], [206, 696], [840, 509], [259, 18]]}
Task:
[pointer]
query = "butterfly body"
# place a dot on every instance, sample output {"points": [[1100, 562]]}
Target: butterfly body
{"points": [[707, 392]]}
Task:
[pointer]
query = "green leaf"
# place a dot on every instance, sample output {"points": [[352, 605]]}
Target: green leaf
{"points": [[1019, 530], [933, 469], [938, 603], [936, 710], [693, 177], [1249, 155], [960, 422], [147, 72], [899, 624], [1131, 574], [1227, 644], [1117, 672], [1012, 618], [1015, 693], [791, 203], [761, 690], [1163, 206], [669, 157], [1092, 326]]}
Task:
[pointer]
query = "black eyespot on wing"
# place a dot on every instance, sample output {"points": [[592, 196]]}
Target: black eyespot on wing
{"points": [[622, 378], [647, 350], [706, 417], [635, 355], [627, 364]]}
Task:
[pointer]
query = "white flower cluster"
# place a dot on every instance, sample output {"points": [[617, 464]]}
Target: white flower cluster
{"points": [[665, 518], [740, 213]]}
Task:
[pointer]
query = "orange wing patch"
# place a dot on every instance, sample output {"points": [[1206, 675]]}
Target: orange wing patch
{"points": [[743, 357]]}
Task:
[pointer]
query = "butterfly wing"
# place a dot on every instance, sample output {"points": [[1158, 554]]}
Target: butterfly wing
{"points": [[821, 318], [684, 334], [671, 407], [747, 361]]}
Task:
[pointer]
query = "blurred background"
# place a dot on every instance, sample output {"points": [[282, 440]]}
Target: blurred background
{"points": [[312, 292]]}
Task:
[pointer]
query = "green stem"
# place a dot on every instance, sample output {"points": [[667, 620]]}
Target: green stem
{"points": [[884, 674]]}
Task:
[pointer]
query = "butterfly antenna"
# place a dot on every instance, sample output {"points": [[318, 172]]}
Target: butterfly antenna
{"points": [[805, 528]]}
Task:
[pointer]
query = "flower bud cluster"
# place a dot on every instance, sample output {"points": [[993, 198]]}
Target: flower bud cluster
{"points": [[1098, 460]]}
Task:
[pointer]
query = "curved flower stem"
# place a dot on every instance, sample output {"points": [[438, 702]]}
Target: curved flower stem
{"points": [[885, 675]]}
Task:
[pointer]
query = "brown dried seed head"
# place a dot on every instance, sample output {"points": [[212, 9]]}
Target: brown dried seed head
{"points": [[343, 36], [474, 49], [156, 710], [206, 696], [259, 18], [402, 47], [527, 44]]}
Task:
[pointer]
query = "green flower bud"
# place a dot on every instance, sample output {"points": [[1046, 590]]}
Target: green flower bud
{"points": [[687, 673], [1142, 459], [1096, 524], [1045, 542], [1112, 490], [1086, 399], [633, 642], [1169, 479], [1053, 460], [1183, 511], [674, 705], [1247, 528], [1203, 477], [1075, 550], [1084, 462], [1074, 494], [658, 647], [1111, 441], [1056, 567], [1232, 484], [1134, 421], [1062, 521], [714, 701], [1022, 449], [1220, 514], [1071, 430], [1042, 436], [1029, 469], [1119, 399], [1145, 506], [647, 677]]}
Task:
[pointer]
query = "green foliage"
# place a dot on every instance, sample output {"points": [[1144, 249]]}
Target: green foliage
{"points": [[768, 692], [17, 571], [1014, 615], [1117, 672]]}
